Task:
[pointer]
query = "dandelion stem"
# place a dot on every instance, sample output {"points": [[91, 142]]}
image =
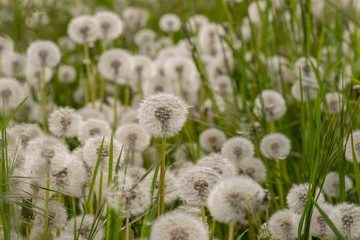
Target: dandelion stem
{"points": [[231, 231], [212, 229], [46, 234], [43, 98], [162, 177], [127, 96], [88, 74], [115, 104], [279, 184], [127, 231], [73, 203], [132, 157], [203, 217]]}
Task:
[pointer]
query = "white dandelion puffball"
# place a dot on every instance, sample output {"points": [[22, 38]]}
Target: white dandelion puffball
{"points": [[142, 67], [304, 65], [6, 46], [163, 114], [310, 89], [257, 10], [179, 68], [254, 168], [284, 225], [178, 225], [66, 74], [356, 146], [129, 200], [43, 54], [231, 199], [135, 18], [271, 103], [222, 84], [318, 227], [12, 91], [64, 122], [335, 102], [24, 133], [298, 196], [133, 136], [13, 64], [237, 148], [110, 25], [331, 185], [170, 23], [196, 22], [34, 75], [145, 37], [275, 146], [196, 184], [93, 128], [212, 139], [218, 163], [83, 29], [346, 218], [56, 218], [115, 63], [87, 224]]}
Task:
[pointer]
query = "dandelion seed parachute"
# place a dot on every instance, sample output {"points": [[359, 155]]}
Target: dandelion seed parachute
{"points": [[64, 122], [163, 114], [237, 148], [196, 22], [271, 103], [284, 225], [212, 140], [222, 85], [178, 225], [256, 10], [43, 54], [24, 133], [145, 37], [170, 23], [275, 146], [232, 199], [6, 46], [87, 225], [156, 85], [83, 29], [57, 215]]}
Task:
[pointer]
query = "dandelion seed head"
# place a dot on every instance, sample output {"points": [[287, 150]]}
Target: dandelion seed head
{"points": [[93, 128], [356, 146], [24, 133], [212, 140], [346, 218], [309, 90], [145, 37], [141, 68], [231, 199], [57, 215], [254, 168], [133, 136], [178, 225], [170, 23], [331, 185], [114, 63], [179, 68], [34, 75], [87, 225], [12, 91], [237, 148], [284, 224], [318, 227], [208, 107], [271, 103], [163, 114], [6, 46], [64, 122], [218, 163], [66, 43], [135, 18], [196, 22], [66, 74], [43, 54], [256, 10], [14, 64], [275, 146], [222, 85], [185, 153], [209, 36], [298, 196], [109, 24], [156, 85], [83, 29]]}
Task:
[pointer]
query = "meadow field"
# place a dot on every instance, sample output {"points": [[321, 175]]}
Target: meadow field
{"points": [[180, 119]]}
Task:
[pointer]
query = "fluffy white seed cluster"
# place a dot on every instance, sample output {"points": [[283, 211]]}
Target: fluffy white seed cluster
{"points": [[64, 122], [114, 64], [352, 148], [43, 54], [237, 148], [275, 146], [212, 139], [271, 104]]}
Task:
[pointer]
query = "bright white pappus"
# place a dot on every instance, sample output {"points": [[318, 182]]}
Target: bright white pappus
{"points": [[309, 89], [196, 22], [129, 200], [43, 54], [163, 114], [331, 185], [114, 63], [212, 139], [275, 146], [170, 23], [133, 136], [284, 225], [232, 199], [271, 103], [209, 36], [218, 163], [90, 113], [66, 74], [254, 168], [197, 182], [257, 10], [89, 222], [24, 133], [83, 29], [156, 85], [13, 64], [222, 85], [298, 196], [34, 75], [356, 146], [6, 46], [57, 215], [135, 18], [12, 91], [305, 66], [335, 102], [346, 218], [110, 25], [145, 37], [237, 148], [93, 128], [318, 227], [141, 68], [178, 225], [64, 122], [179, 68]]}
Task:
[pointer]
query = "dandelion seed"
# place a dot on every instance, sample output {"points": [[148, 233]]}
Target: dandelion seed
{"points": [[66, 74], [284, 225], [83, 29], [163, 114], [298, 196], [12, 92], [219, 164], [237, 148], [346, 218], [275, 146], [170, 23], [232, 199], [133, 136], [57, 216], [271, 103], [212, 140], [25, 133], [254, 168], [64, 122], [209, 37], [178, 225], [13, 64], [319, 227], [331, 185], [114, 64], [109, 24], [43, 54], [93, 128]]}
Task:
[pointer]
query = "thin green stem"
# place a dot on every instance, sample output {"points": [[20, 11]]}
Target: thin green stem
{"points": [[231, 231], [203, 216], [127, 96], [127, 231], [88, 75], [47, 197], [162, 177], [212, 229], [115, 104], [43, 99], [279, 184]]}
